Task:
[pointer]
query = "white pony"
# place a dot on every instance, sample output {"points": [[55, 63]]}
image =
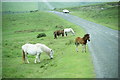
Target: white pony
{"points": [[67, 30], [36, 49]]}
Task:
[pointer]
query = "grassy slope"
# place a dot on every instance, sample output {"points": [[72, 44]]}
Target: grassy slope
{"points": [[19, 6], [69, 4], [27, 6], [107, 17], [67, 63], [64, 4]]}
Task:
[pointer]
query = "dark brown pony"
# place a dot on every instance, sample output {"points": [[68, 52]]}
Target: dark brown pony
{"points": [[58, 33], [82, 41]]}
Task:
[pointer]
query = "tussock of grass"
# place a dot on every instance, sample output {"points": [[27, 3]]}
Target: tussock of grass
{"points": [[67, 63]]}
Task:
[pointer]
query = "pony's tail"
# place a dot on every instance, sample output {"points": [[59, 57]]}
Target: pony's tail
{"points": [[23, 56]]}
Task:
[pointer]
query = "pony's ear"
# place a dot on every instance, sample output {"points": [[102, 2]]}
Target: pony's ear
{"points": [[52, 51]]}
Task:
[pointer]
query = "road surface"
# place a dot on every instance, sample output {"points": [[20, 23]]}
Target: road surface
{"points": [[103, 45]]}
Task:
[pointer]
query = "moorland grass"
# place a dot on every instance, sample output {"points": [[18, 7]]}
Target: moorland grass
{"points": [[19, 29], [19, 6]]}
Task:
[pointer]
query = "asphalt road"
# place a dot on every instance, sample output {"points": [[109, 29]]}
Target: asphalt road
{"points": [[103, 45]]}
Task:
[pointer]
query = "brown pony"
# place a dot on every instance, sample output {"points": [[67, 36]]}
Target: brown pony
{"points": [[58, 33], [82, 41]]}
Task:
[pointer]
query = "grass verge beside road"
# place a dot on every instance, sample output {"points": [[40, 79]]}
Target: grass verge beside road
{"points": [[104, 13]]}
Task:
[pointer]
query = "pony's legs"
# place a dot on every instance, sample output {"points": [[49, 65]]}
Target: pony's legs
{"points": [[55, 36], [62, 34], [77, 46], [28, 61], [66, 33], [84, 48], [36, 59], [26, 58], [39, 58]]}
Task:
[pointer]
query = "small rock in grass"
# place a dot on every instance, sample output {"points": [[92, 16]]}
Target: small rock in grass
{"points": [[41, 35]]}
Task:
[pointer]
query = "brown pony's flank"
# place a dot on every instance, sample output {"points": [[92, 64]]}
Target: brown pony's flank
{"points": [[58, 33], [23, 56], [82, 41]]}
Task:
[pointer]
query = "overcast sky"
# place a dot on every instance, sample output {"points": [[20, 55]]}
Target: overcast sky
{"points": [[60, 0]]}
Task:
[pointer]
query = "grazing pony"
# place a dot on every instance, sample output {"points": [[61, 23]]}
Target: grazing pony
{"points": [[69, 30], [58, 33], [82, 41], [35, 49]]}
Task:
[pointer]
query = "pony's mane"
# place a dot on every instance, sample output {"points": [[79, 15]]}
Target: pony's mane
{"points": [[85, 36]]}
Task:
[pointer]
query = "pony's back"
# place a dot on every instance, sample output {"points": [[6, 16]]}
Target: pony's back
{"points": [[69, 30], [78, 40], [30, 48], [44, 47]]}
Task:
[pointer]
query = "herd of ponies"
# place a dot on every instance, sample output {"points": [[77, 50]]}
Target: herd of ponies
{"points": [[38, 48]]}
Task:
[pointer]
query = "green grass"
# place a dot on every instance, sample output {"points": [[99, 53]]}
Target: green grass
{"points": [[19, 29], [23, 6], [28, 6], [19, 6], [107, 16], [64, 4]]}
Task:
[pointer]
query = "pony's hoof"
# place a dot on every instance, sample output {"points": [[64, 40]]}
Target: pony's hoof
{"points": [[51, 58]]}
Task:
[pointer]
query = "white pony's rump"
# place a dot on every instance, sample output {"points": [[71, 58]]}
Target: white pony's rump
{"points": [[35, 49], [69, 30]]}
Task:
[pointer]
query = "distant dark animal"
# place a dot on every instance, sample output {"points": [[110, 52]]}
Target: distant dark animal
{"points": [[82, 41], [41, 35], [31, 11], [58, 33]]}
